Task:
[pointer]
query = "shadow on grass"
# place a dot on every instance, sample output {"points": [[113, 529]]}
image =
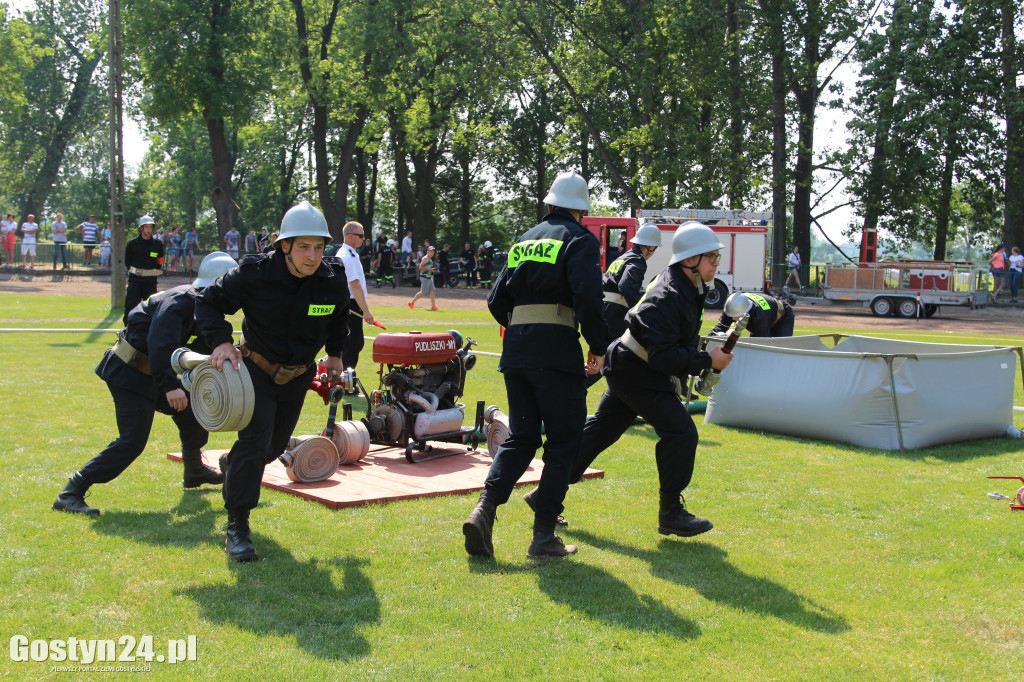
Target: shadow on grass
{"points": [[596, 594], [706, 569], [279, 596], [275, 596], [192, 522]]}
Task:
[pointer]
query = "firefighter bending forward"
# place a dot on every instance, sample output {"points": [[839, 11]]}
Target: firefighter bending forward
{"points": [[551, 284], [294, 301], [646, 368]]}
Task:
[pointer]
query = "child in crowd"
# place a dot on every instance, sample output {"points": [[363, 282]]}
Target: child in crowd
{"points": [[105, 255]]}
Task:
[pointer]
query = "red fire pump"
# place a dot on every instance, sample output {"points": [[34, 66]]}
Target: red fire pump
{"points": [[422, 377]]}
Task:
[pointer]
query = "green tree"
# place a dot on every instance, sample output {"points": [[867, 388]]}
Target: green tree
{"points": [[211, 58]]}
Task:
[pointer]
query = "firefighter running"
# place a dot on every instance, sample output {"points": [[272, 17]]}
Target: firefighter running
{"points": [[550, 284], [139, 375], [646, 368]]}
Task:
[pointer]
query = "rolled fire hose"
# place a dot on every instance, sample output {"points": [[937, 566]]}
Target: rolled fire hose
{"points": [[352, 440], [310, 458], [221, 401], [497, 429]]}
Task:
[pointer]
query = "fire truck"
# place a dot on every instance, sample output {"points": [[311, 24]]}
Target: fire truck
{"points": [[745, 234]]}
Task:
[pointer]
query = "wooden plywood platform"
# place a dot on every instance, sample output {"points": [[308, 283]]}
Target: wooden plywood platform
{"points": [[384, 475]]}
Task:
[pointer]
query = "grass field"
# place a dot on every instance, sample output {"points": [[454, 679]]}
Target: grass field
{"points": [[827, 561]]}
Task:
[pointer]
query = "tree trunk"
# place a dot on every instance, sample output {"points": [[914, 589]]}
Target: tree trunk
{"points": [[57, 145], [945, 199], [223, 169], [779, 175], [465, 197], [1013, 105], [736, 172]]}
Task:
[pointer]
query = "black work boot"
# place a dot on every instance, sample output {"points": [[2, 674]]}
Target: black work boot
{"points": [[528, 499], [547, 545], [72, 498], [238, 545], [673, 519], [197, 473], [478, 526]]}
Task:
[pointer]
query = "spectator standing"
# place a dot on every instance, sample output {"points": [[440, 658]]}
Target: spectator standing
{"points": [[406, 253], [29, 230], [263, 240], [105, 255], [486, 263], [251, 242], [105, 233], [59, 233], [997, 266], [1015, 272], [445, 266], [174, 248], [90, 238], [469, 263], [143, 258], [189, 247], [359, 308], [8, 232], [232, 240]]}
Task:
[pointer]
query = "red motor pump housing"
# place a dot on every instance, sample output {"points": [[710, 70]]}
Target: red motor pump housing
{"points": [[414, 348]]}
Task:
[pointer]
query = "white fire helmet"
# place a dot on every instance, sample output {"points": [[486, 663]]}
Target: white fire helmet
{"points": [[487, 244], [303, 220], [569, 190], [648, 235], [693, 239], [146, 220], [214, 265]]}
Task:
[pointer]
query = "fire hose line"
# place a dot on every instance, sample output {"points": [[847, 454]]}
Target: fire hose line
{"points": [[221, 400], [310, 458], [352, 440]]}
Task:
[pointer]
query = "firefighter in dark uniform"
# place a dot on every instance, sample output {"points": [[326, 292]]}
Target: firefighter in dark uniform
{"points": [[487, 265], [647, 367], [295, 302], [139, 375], [623, 282], [769, 317], [143, 257], [551, 284]]}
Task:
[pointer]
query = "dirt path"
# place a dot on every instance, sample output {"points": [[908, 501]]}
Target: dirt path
{"points": [[1000, 319]]}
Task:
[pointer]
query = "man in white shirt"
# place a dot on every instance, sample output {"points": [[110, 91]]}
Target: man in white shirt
{"points": [[59, 233], [358, 307], [406, 248], [29, 228]]}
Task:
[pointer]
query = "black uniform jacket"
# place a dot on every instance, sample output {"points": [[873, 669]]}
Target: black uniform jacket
{"points": [[764, 313], [287, 318], [666, 322], [625, 276], [554, 262], [145, 254], [156, 327]]}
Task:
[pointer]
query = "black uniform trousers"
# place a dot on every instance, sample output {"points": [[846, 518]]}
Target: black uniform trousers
{"points": [[470, 275], [558, 400], [134, 414], [139, 289], [275, 413], [619, 407], [355, 341], [784, 327]]}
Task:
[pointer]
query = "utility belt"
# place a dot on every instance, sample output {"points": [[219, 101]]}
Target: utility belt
{"points": [[634, 346], [145, 272], [543, 313], [615, 297], [130, 356], [281, 374]]}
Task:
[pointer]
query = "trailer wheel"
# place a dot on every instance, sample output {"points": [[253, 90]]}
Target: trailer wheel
{"points": [[907, 307], [882, 306], [930, 309], [716, 295]]}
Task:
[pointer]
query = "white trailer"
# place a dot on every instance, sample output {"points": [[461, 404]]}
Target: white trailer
{"points": [[901, 287]]}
